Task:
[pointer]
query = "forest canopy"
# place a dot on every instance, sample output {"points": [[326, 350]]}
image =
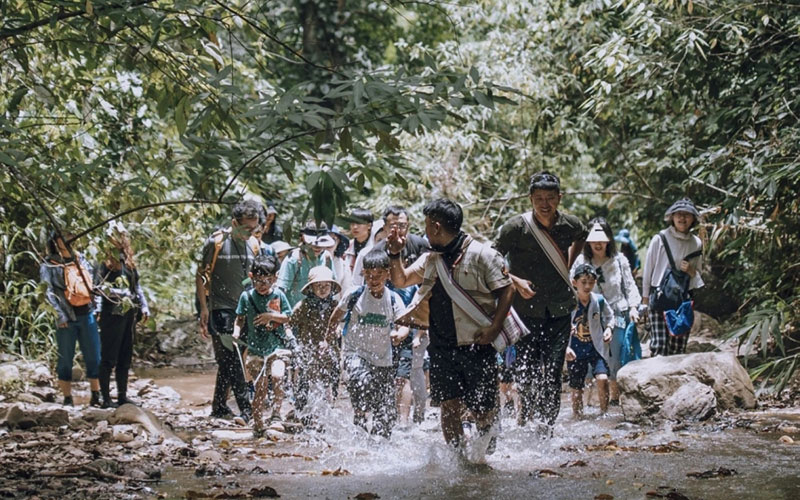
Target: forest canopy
{"points": [[163, 113]]}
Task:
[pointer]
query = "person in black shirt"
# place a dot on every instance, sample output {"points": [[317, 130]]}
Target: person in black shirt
{"points": [[121, 306], [463, 363]]}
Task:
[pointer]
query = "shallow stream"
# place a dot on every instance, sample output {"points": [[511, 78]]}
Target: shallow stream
{"points": [[598, 457]]}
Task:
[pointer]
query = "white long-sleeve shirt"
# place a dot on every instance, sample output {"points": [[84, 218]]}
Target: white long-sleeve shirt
{"points": [[656, 261], [616, 275]]}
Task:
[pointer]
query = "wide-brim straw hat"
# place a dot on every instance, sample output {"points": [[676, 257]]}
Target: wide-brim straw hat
{"points": [[321, 274], [597, 234]]}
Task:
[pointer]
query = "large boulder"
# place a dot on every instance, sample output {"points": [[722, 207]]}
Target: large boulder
{"points": [[692, 401], [650, 387]]}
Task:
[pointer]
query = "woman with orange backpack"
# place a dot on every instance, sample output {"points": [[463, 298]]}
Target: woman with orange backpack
{"points": [[122, 305], [69, 290]]}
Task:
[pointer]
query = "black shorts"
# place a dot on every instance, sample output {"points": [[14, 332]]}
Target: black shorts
{"points": [[579, 369], [468, 373]]}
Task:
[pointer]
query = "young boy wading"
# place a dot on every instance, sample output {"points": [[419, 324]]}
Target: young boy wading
{"points": [[540, 247], [463, 368]]}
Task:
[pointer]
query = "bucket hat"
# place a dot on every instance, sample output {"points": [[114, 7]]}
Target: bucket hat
{"points": [[317, 236], [682, 205], [321, 274]]}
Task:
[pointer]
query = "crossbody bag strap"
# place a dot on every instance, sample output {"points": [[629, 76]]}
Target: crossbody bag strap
{"points": [[459, 295], [253, 302], [622, 282], [551, 250], [669, 252]]}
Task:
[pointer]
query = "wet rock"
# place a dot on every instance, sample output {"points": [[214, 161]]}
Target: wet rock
{"points": [[705, 325], [9, 376], [93, 415], [210, 456], [53, 418], [164, 393], [130, 414], [646, 384], [28, 398], [122, 433], [15, 417], [692, 401], [135, 444], [35, 373], [172, 340], [45, 393]]}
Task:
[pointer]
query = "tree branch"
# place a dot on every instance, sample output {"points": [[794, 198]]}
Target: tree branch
{"points": [[145, 207], [491, 201], [8, 33]]}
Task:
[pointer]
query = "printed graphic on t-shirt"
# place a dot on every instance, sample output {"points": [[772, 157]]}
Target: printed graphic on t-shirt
{"points": [[373, 319], [581, 323]]}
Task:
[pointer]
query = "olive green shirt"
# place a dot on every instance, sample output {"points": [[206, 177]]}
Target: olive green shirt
{"points": [[527, 260]]}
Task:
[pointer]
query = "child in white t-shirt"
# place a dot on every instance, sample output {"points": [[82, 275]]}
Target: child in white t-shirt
{"points": [[369, 312]]}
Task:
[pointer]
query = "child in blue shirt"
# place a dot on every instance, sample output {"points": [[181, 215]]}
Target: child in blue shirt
{"points": [[265, 310], [592, 321]]}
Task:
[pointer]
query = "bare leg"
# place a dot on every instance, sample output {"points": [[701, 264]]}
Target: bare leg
{"points": [[66, 387], [577, 403], [451, 422], [402, 400], [259, 401], [602, 392], [277, 372], [614, 390], [94, 384]]}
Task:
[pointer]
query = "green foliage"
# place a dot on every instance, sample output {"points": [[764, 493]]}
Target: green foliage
{"points": [[25, 318], [108, 106]]}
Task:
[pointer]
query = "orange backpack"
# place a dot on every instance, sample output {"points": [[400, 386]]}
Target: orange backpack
{"points": [[78, 283]]}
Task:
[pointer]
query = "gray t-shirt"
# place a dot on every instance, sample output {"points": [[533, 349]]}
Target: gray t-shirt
{"points": [[233, 263], [370, 327]]}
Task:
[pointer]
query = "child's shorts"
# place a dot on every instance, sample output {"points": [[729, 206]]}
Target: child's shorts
{"points": [[579, 368]]}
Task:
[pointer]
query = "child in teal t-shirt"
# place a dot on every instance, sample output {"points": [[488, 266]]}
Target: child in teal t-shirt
{"points": [[265, 309]]}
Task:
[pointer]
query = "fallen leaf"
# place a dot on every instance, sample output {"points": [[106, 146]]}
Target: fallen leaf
{"points": [[263, 492], [574, 463], [337, 472], [191, 494], [367, 496], [547, 473], [786, 440], [604, 496], [719, 472]]}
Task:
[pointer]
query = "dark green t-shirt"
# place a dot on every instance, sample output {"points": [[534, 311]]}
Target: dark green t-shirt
{"points": [[527, 260], [262, 340]]}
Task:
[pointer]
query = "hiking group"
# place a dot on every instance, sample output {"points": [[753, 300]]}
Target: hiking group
{"points": [[475, 325]]}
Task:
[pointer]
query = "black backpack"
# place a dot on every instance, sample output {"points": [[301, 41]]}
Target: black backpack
{"points": [[673, 289]]}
